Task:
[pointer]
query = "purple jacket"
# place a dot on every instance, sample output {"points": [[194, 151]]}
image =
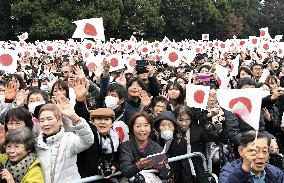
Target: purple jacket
{"points": [[233, 173]]}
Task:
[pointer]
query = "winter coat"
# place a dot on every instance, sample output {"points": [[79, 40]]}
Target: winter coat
{"points": [[235, 126], [89, 159], [233, 173], [34, 174], [129, 155], [180, 169], [59, 153]]}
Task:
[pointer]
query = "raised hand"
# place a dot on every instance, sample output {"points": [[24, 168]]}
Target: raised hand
{"points": [[66, 108], [165, 95], [145, 99], [21, 98], [106, 67], [121, 80], [78, 71], [150, 70], [81, 88]]}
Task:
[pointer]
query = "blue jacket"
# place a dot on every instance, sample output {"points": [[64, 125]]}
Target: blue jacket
{"points": [[233, 173]]}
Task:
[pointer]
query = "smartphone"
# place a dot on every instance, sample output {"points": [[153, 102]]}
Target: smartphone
{"points": [[58, 74], [141, 66], [203, 77]]}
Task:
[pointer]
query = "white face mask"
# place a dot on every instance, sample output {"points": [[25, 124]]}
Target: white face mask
{"points": [[33, 105], [167, 134], [44, 87], [111, 102]]}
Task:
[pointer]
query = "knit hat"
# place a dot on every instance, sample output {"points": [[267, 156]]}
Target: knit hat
{"points": [[165, 115], [102, 112]]}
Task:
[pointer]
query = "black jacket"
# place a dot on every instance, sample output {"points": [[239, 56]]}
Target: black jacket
{"points": [[129, 155], [235, 126]]}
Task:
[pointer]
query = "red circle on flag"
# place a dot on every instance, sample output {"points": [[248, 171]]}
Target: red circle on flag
{"points": [[254, 41], [145, 49], [90, 30], [173, 57], [87, 54], [6, 59], [266, 46], [199, 96], [92, 66], [262, 33], [129, 47], [242, 43], [49, 48], [243, 100], [197, 50], [88, 45], [114, 62], [120, 133], [132, 62]]}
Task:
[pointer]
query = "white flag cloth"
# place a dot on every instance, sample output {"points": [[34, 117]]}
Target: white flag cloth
{"points": [[246, 103], [90, 28], [222, 76], [8, 60], [197, 95]]}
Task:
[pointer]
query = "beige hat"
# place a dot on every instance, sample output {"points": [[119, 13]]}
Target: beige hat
{"points": [[102, 112]]}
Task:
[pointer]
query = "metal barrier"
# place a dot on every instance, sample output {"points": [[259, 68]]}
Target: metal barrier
{"points": [[210, 159], [170, 160]]}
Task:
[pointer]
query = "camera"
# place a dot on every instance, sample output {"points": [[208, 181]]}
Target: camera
{"points": [[141, 66], [105, 167], [138, 178]]}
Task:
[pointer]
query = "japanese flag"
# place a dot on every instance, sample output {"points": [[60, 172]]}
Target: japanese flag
{"points": [[130, 60], [205, 37], [172, 57], [89, 28], [94, 62], [24, 36], [245, 103], [263, 32], [235, 66], [116, 62], [197, 95], [222, 76], [8, 60], [122, 130], [254, 40]]}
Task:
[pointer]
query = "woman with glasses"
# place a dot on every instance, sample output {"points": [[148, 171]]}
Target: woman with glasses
{"points": [[22, 165]]}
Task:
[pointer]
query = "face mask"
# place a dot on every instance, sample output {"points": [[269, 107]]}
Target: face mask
{"points": [[167, 134], [44, 87], [33, 105], [111, 102]]}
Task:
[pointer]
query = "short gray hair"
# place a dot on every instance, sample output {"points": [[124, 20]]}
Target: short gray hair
{"points": [[23, 136]]}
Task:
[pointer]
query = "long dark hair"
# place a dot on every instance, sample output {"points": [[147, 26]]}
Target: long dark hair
{"points": [[175, 85]]}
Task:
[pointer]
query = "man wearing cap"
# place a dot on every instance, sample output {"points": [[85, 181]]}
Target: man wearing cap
{"points": [[104, 148]]}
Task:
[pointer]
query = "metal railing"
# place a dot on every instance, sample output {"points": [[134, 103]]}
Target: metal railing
{"points": [[170, 160]]}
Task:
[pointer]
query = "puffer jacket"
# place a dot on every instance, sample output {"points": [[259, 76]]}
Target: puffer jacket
{"points": [[34, 173], [233, 173], [59, 153]]}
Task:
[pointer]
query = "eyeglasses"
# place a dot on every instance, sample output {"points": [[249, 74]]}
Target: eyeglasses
{"points": [[15, 123]]}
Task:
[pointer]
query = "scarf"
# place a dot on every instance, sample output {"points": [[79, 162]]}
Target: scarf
{"points": [[187, 135], [19, 170], [106, 144]]}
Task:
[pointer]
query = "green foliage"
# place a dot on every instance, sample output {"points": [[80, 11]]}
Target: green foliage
{"points": [[150, 19]]}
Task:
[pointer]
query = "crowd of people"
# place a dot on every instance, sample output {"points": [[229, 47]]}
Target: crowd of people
{"points": [[60, 123]]}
